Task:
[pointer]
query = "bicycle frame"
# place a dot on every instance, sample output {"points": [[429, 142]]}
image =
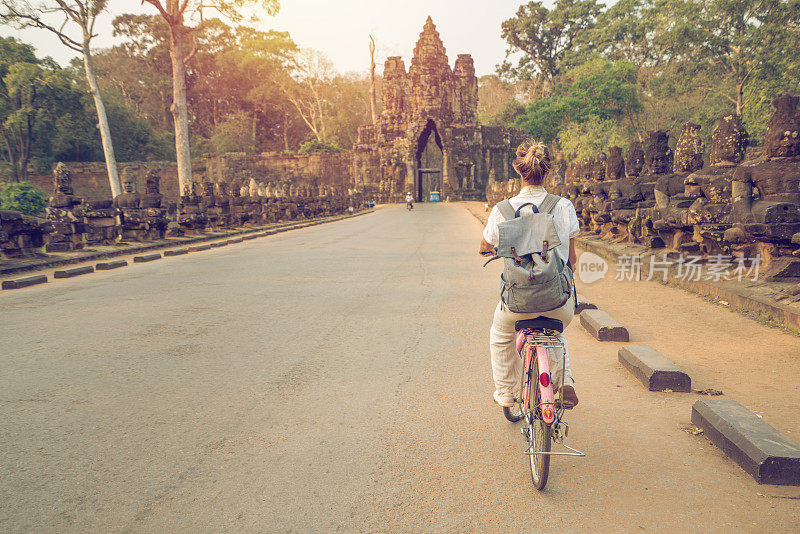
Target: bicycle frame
{"points": [[536, 344]]}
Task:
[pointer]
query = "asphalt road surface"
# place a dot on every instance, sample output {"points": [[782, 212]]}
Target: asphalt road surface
{"points": [[337, 378]]}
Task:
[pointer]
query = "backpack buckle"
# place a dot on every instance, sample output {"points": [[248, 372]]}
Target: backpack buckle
{"points": [[544, 251], [517, 259]]}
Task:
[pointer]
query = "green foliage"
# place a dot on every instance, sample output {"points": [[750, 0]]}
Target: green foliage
{"points": [[234, 134], [592, 136], [23, 197], [315, 145], [544, 36], [507, 115], [600, 90]]}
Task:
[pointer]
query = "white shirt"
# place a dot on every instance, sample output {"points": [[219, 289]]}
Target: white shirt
{"points": [[564, 217], [409, 198]]}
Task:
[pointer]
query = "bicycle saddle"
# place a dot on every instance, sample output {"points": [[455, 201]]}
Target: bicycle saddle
{"points": [[540, 323]]}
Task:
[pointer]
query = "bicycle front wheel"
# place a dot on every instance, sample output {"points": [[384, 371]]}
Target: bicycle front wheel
{"points": [[539, 436]]}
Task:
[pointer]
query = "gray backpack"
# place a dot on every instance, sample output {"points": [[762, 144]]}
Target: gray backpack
{"points": [[535, 278]]}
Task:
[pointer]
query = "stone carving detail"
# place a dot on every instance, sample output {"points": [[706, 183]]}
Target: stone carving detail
{"points": [[22, 236], [634, 159], [729, 141], [615, 164], [689, 151], [734, 207], [65, 212], [429, 123]]}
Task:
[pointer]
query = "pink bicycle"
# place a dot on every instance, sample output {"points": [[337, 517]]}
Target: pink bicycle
{"points": [[542, 415]]}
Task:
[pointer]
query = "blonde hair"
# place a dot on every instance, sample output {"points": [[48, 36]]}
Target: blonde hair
{"points": [[532, 161]]}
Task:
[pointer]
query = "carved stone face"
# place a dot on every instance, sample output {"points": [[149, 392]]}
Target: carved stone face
{"points": [[62, 179], [233, 189], [729, 141], [252, 189], [188, 189], [222, 189], [152, 183], [689, 151], [128, 182], [634, 159], [658, 156], [783, 131], [207, 189]]}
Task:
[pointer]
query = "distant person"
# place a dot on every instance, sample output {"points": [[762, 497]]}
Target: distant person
{"points": [[532, 163], [409, 201]]}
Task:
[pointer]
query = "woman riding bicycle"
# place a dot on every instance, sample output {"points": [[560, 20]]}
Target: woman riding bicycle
{"points": [[532, 164]]}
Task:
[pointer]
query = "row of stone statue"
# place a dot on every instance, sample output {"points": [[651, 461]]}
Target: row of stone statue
{"points": [[664, 199], [212, 206], [72, 223]]}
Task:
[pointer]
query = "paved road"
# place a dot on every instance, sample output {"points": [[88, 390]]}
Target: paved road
{"points": [[336, 378]]}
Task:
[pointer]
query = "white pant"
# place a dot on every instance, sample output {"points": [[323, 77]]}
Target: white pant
{"points": [[506, 363]]}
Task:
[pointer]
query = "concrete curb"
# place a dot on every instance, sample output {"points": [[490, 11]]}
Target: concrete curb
{"points": [[25, 281], [108, 265], [600, 325], [653, 369], [199, 248], [755, 445], [73, 271], [584, 304], [146, 258], [176, 252]]}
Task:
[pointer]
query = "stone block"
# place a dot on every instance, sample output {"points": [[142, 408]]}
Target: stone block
{"points": [[584, 304], [199, 248], [219, 244], [653, 369], [235, 240], [108, 265], [249, 237], [25, 281], [600, 325], [73, 271], [176, 252], [749, 441], [144, 258], [63, 246]]}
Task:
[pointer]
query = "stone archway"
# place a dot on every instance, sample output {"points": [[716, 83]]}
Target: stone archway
{"points": [[430, 162]]}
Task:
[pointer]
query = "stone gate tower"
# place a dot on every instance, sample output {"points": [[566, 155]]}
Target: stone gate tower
{"points": [[428, 137]]}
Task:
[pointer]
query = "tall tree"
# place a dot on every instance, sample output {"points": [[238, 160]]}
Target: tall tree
{"points": [[176, 13], [34, 95], [544, 36], [76, 17], [737, 38]]}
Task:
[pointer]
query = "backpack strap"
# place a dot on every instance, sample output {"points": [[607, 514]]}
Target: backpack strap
{"points": [[506, 210], [549, 203]]}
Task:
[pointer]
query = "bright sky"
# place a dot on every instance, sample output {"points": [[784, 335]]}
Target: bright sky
{"points": [[340, 28]]}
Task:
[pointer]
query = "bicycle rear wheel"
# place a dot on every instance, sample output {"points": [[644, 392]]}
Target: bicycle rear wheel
{"points": [[539, 435]]}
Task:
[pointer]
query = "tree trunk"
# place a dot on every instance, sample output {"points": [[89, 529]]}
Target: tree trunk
{"points": [[102, 122], [179, 109], [373, 104], [739, 98]]}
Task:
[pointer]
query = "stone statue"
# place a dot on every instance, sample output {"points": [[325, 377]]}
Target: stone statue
{"points": [[689, 151], [729, 141], [615, 165], [155, 206], [65, 212], [634, 159], [658, 155], [132, 218], [191, 217]]}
